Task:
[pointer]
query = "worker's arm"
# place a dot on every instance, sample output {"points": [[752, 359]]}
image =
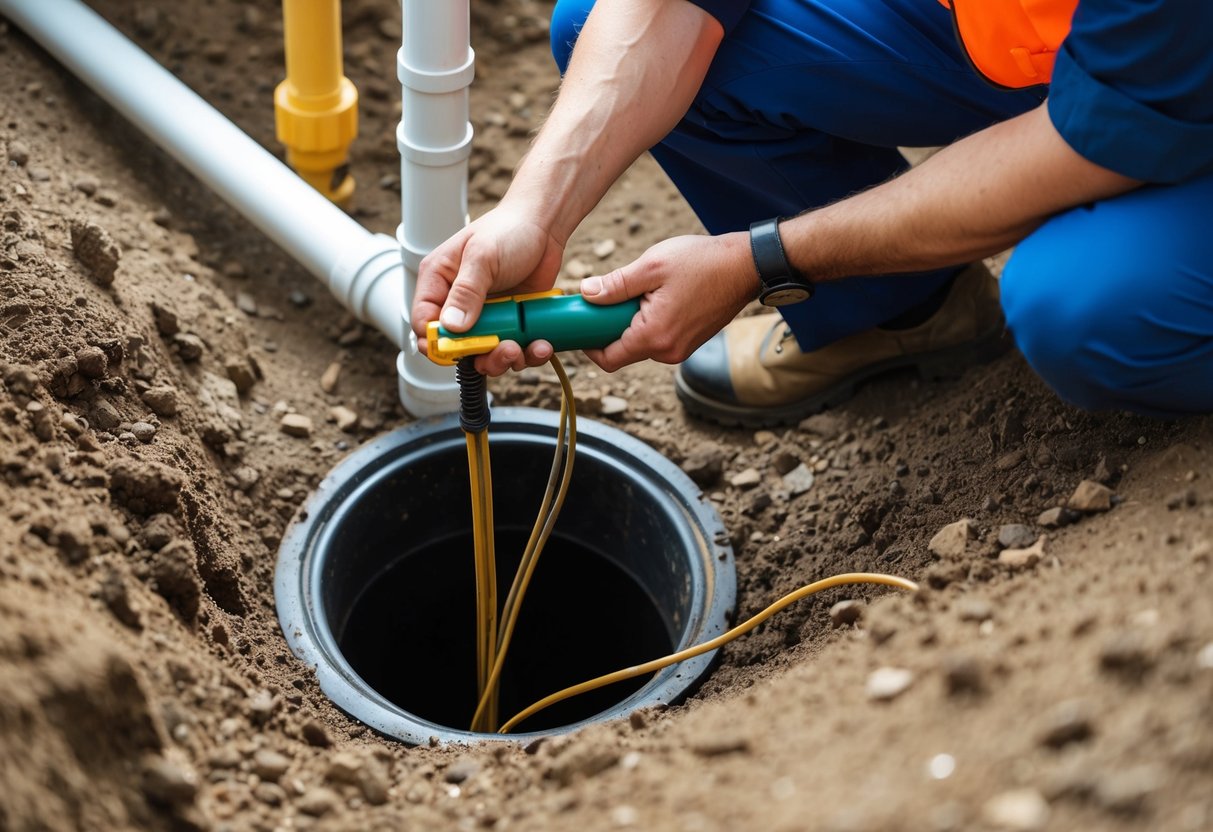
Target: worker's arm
{"points": [[634, 72], [970, 200]]}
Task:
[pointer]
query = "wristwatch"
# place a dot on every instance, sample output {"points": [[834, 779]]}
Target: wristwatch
{"points": [[781, 284]]}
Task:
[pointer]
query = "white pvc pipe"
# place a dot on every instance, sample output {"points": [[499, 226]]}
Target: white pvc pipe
{"points": [[435, 68], [362, 269]]}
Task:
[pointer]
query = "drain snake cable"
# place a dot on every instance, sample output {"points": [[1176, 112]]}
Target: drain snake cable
{"points": [[493, 643]]}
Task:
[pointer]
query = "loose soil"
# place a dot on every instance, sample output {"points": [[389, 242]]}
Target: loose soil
{"points": [[146, 480]]}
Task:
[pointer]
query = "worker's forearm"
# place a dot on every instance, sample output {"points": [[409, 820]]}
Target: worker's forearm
{"points": [[637, 67], [972, 199]]}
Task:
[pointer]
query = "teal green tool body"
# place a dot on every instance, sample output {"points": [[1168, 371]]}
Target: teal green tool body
{"points": [[567, 322]]}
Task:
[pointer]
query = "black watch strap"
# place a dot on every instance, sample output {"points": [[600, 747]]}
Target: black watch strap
{"points": [[781, 284]]}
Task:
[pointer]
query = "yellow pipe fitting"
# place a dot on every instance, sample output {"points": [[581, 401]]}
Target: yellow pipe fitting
{"points": [[316, 107]]}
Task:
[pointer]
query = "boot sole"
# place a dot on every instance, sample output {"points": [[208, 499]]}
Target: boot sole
{"points": [[937, 365]]}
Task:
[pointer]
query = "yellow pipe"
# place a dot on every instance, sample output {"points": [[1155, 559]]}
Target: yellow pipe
{"points": [[316, 107]]}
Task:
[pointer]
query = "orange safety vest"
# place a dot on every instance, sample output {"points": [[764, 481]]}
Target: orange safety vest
{"points": [[1012, 42]]}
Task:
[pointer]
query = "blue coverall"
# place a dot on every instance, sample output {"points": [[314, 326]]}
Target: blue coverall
{"points": [[806, 102]]}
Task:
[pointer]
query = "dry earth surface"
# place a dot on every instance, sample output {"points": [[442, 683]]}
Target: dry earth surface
{"points": [[145, 482]]}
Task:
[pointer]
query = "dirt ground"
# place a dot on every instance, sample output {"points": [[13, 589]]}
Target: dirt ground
{"points": [[145, 484]]}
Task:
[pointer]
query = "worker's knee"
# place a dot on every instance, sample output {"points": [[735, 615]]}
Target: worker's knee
{"points": [[1100, 322], [567, 19]]}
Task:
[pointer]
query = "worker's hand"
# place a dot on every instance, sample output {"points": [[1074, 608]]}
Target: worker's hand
{"points": [[691, 286], [503, 251]]}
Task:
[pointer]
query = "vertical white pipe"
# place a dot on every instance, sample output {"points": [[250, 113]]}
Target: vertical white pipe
{"points": [[361, 268], [435, 68]]}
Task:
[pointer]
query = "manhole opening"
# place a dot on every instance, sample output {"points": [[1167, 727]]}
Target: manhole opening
{"points": [[410, 633]]}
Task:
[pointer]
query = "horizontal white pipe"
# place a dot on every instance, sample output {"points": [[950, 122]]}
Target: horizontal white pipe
{"points": [[354, 263]]}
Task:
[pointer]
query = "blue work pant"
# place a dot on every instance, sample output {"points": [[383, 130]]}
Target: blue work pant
{"points": [[807, 102]]}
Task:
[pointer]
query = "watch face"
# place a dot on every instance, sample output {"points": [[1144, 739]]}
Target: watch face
{"points": [[785, 295]]}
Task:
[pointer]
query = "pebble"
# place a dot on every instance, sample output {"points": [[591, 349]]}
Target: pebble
{"points": [[346, 419], [92, 362], [328, 380], [1024, 558], [887, 683], [86, 185], [168, 783], [41, 420], [189, 346], [461, 770], [240, 374], [1010, 460], [18, 153], [748, 478], [846, 612], [246, 477], [143, 431], [296, 424], [951, 540], [785, 462], [1066, 723], [1016, 536], [578, 269], [1056, 517], [107, 199], [317, 802], [261, 706], [246, 303], [166, 320], [299, 299], [344, 767], [96, 251], [270, 765], [799, 480], [613, 406], [39, 174], [604, 248], [1090, 497], [704, 464], [825, 425], [271, 794], [1204, 658], [1018, 810]]}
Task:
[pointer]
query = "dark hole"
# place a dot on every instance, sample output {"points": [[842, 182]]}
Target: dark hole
{"points": [[410, 633]]}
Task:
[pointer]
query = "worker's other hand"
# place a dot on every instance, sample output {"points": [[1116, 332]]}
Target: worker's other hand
{"points": [[502, 252], [692, 287]]}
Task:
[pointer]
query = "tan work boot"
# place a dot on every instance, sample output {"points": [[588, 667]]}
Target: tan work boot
{"points": [[754, 374]]}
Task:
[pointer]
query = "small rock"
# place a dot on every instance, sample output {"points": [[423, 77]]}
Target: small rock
{"points": [[95, 250], [578, 269], [785, 462], [825, 425], [1056, 517], [950, 541], [261, 706], [271, 794], [39, 174], [887, 683], [18, 153], [246, 477], [189, 346], [1090, 497], [344, 768], [846, 612], [246, 303], [296, 424], [799, 480], [346, 419], [461, 770], [1204, 658], [1068, 722], [240, 374], [92, 362], [975, 609], [169, 784], [270, 765], [604, 249], [299, 299], [143, 431], [328, 381], [1010, 460], [1019, 810], [316, 734], [613, 406], [317, 802], [41, 421], [86, 185], [104, 415], [704, 464], [166, 320], [106, 198], [1016, 536], [162, 401], [748, 478], [1024, 558], [720, 745], [375, 783]]}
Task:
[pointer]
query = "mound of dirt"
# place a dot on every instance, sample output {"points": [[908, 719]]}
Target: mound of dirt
{"points": [[172, 386]]}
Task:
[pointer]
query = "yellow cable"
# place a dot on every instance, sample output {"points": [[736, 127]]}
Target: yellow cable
{"points": [[707, 646], [490, 575], [549, 511]]}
